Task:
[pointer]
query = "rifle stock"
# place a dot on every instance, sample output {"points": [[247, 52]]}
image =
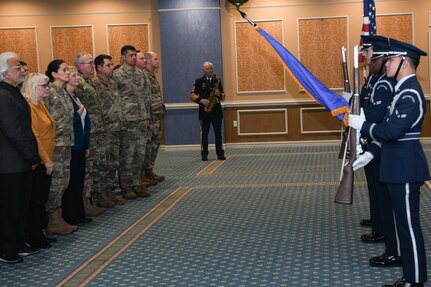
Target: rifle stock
{"points": [[344, 193]]}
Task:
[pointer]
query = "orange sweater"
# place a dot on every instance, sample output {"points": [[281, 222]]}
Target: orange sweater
{"points": [[43, 126]]}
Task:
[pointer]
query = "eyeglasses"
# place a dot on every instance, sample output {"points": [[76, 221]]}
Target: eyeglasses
{"points": [[43, 86], [88, 63], [17, 67]]}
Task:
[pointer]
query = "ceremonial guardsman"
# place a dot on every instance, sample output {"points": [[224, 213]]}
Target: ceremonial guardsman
{"points": [[403, 165], [380, 98], [375, 221]]}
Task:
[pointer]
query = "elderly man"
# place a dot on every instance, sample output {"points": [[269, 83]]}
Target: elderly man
{"points": [[18, 156], [85, 65]]}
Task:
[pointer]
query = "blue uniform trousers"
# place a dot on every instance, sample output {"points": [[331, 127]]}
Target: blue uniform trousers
{"points": [[405, 202], [372, 183], [216, 123]]}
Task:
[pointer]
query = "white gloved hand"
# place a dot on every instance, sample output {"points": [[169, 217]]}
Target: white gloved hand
{"points": [[356, 121], [346, 95], [362, 160]]}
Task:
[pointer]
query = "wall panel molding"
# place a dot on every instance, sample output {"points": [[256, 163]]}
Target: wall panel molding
{"points": [[399, 26], [23, 41], [319, 42], [262, 122], [69, 40], [312, 121], [258, 69], [118, 35]]}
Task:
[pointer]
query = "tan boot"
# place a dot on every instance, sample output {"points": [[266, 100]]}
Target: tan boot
{"points": [[128, 193], [151, 175], [115, 199], [148, 181], [141, 191], [56, 224], [91, 210], [103, 200]]}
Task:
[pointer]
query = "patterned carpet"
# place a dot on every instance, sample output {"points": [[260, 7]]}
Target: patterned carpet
{"points": [[263, 217]]}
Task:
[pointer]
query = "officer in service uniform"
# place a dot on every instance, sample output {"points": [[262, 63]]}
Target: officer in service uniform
{"points": [[403, 165], [380, 98], [209, 87]]}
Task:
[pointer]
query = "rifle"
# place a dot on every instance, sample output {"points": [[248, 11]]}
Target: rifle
{"points": [[345, 190], [344, 149]]}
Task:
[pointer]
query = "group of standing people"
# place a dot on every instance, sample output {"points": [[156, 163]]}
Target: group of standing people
{"points": [[68, 139], [394, 161]]}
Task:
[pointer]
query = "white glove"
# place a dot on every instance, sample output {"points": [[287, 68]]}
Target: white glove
{"points": [[362, 160], [346, 95], [356, 121]]}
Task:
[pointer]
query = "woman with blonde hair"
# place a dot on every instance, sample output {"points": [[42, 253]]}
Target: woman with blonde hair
{"points": [[72, 202], [34, 89]]}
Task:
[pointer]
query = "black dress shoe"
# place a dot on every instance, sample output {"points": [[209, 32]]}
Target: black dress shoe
{"points": [[10, 259], [385, 260], [372, 237], [86, 219], [403, 283], [50, 239], [365, 222], [204, 158], [221, 157], [28, 250], [41, 244]]}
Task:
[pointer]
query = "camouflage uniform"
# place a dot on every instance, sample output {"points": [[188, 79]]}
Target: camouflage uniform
{"points": [[109, 96], [157, 110], [135, 106], [95, 173], [60, 107]]}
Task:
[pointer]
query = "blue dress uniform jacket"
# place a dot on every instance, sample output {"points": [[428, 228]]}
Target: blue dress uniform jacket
{"points": [[402, 156], [202, 88]]}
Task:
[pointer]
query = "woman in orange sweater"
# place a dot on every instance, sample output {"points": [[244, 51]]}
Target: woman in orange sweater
{"points": [[34, 88]]}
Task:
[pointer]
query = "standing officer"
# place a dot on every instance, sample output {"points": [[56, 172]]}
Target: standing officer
{"points": [[135, 107], [208, 93], [157, 111], [379, 102], [85, 65], [403, 165], [107, 92]]}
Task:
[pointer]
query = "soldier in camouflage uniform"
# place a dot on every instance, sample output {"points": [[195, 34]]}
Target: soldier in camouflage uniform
{"points": [[157, 111], [135, 106], [94, 182], [107, 92], [60, 107]]}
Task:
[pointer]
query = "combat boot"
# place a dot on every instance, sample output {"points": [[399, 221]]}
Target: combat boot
{"points": [[151, 175], [91, 210], [115, 199], [141, 191], [145, 180], [128, 193], [57, 225], [103, 200]]}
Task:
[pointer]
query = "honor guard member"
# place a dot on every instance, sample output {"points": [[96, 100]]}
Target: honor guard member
{"points": [[208, 93], [107, 92], [380, 204], [403, 165], [376, 234], [157, 111], [135, 107]]}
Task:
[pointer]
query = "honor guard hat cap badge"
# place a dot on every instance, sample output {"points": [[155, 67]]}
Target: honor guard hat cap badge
{"points": [[398, 48]]}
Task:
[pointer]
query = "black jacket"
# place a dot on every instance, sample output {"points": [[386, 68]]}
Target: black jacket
{"points": [[18, 145]]}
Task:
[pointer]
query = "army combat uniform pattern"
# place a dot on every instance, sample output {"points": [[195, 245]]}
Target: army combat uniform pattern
{"points": [[60, 107], [135, 107], [155, 129]]}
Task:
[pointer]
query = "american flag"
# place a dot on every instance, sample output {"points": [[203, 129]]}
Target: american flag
{"points": [[369, 22]]}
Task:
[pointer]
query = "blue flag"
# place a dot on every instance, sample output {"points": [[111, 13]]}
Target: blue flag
{"points": [[333, 102]]}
